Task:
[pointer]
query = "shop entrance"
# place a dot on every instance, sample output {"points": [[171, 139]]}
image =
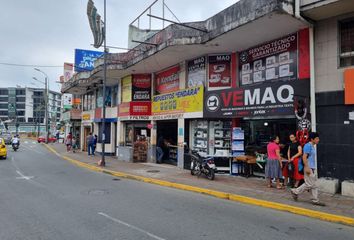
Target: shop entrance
{"points": [[167, 140], [86, 133]]}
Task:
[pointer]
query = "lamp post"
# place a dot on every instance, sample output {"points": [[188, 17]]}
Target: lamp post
{"points": [[46, 101]]}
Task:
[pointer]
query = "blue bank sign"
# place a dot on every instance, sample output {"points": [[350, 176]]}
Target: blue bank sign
{"points": [[84, 59]]}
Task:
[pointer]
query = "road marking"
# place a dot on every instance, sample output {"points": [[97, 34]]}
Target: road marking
{"points": [[26, 142], [33, 149], [130, 226], [23, 176], [34, 142]]}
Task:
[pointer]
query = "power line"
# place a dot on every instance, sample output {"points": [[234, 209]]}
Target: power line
{"points": [[28, 65]]}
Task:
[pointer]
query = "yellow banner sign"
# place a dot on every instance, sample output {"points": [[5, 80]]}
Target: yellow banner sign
{"points": [[86, 117], [127, 89], [183, 101]]}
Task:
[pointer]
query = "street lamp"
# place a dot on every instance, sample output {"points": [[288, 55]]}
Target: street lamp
{"points": [[46, 101]]}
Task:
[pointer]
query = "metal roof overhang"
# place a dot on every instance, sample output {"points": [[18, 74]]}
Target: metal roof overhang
{"points": [[261, 30], [319, 10]]}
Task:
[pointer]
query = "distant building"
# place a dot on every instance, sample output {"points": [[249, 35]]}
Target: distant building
{"points": [[25, 108]]}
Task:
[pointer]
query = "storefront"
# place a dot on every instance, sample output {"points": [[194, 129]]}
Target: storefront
{"points": [[172, 114], [87, 127], [272, 99], [134, 118]]}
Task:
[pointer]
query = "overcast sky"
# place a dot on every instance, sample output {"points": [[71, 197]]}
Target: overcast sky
{"points": [[46, 32]]}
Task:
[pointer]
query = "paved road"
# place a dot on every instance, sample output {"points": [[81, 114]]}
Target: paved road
{"points": [[45, 197]]}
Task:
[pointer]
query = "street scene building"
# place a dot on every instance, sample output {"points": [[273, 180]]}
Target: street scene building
{"points": [[25, 108], [194, 83]]}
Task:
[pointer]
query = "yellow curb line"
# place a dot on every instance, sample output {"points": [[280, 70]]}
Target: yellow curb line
{"points": [[223, 195]]}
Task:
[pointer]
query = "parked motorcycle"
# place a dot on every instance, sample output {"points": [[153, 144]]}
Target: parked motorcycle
{"points": [[201, 165], [15, 146]]}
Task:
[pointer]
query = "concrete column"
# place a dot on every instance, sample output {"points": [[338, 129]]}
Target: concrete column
{"points": [[180, 151], [182, 75], [153, 141]]}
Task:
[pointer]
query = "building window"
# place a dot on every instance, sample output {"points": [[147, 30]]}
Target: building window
{"points": [[20, 106], [4, 92], [20, 99], [4, 99], [346, 28], [20, 113], [4, 113], [107, 133], [20, 92], [3, 106]]}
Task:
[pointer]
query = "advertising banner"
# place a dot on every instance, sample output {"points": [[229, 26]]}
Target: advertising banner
{"points": [[127, 89], [184, 101], [67, 100], [219, 74], [141, 89], [272, 61], [84, 59], [168, 80], [268, 99], [196, 73], [68, 71], [134, 111]]}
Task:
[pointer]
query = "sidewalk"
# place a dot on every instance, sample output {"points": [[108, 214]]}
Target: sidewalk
{"points": [[248, 187]]}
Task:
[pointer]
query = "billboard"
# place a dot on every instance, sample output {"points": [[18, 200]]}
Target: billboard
{"points": [[219, 73], [268, 99], [141, 87], [84, 59], [196, 72], [68, 71], [168, 80], [272, 61], [67, 100], [127, 88]]}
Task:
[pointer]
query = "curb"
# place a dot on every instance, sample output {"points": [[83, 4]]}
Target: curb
{"points": [[222, 195]]}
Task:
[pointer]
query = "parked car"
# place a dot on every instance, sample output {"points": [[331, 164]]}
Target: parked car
{"points": [[3, 150], [41, 139]]}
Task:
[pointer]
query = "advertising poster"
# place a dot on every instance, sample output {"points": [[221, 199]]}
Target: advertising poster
{"points": [[84, 59], [272, 61], [67, 100], [141, 87], [68, 71], [184, 101], [127, 89], [196, 72], [219, 75], [168, 80], [268, 99]]}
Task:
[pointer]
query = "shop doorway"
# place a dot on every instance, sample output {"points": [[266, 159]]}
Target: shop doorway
{"points": [[86, 133], [167, 134]]}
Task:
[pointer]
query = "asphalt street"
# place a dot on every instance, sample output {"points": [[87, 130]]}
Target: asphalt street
{"points": [[45, 197]]}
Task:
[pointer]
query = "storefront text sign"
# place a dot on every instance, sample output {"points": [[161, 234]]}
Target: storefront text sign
{"points": [[272, 61], [86, 117], [141, 89], [168, 80], [219, 71], [272, 99], [196, 74], [127, 89], [184, 101], [134, 109], [84, 59]]}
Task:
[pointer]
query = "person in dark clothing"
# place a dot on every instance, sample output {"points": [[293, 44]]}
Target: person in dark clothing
{"points": [[294, 154], [160, 149], [94, 144], [90, 142]]}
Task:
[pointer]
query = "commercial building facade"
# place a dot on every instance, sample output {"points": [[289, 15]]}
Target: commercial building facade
{"points": [[25, 108], [251, 66]]}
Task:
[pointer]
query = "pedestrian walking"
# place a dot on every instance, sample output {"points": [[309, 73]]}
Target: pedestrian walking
{"points": [[310, 175], [94, 144], [294, 155], [160, 149], [57, 135], [274, 165], [74, 142], [89, 141], [68, 141]]}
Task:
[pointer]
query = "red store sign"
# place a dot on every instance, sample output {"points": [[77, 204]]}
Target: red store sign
{"points": [[168, 81], [134, 109]]}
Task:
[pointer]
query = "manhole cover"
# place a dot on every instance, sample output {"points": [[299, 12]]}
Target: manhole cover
{"points": [[97, 192], [116, 179], [153, 171]]}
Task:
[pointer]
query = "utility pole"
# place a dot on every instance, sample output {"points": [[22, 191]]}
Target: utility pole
{"points": [[46, 102]]}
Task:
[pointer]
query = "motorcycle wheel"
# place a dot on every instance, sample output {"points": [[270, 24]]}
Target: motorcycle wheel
{"points": [[194, 165], [211, 174]]}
